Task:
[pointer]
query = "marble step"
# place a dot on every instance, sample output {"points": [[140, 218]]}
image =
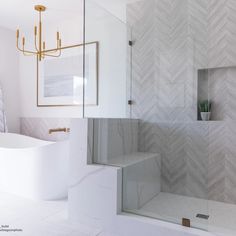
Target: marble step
{"points": [[131, 159]]}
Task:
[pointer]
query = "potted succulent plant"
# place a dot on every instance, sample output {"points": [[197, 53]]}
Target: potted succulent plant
{"points": [[205, 110]]}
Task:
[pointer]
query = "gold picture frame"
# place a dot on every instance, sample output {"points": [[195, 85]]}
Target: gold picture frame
{"points": [[90, 97]]}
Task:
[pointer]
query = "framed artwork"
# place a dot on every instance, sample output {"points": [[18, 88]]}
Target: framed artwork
{"points": [[60, 80]]}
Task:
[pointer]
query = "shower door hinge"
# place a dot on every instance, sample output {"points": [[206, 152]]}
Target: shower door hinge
{"points": [[131, 43], [130, 102]]}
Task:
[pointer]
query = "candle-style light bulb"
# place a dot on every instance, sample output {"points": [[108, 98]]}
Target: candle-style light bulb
{"points": [[18, 33], [35, 30]]}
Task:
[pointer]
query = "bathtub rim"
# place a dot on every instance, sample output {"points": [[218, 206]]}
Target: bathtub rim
{"points": [[40, 143]]}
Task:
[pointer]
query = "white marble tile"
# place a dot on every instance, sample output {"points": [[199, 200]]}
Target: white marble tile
{"points": [[40, 218], [101, 183], [35, 217], [141, 181], [113, 138]]}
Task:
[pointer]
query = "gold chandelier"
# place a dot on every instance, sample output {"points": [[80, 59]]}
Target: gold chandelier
{"points": [[40, 46]]}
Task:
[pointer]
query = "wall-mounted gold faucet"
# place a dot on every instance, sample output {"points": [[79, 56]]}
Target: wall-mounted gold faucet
{"points": [[66, 130]]}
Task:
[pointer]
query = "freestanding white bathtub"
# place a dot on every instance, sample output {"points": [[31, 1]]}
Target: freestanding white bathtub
{"points": [[33, 168]]}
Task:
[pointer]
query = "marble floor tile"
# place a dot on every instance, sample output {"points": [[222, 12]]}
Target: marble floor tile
{"points": [[39, 218]]}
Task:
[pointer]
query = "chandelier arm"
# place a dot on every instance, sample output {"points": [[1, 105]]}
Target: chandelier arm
{"points": [[51, 55], [17, 45], [47, 55], [30, 52], [35, 43], [52, 51], [58, 48], [59, 53], [27, 51], [23, 49]]}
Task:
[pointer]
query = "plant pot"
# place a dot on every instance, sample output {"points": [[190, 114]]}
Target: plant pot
{"points": [[206, 116]]}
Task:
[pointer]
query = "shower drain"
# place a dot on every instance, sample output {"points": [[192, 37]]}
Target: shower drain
{"points": [[202, 216]]}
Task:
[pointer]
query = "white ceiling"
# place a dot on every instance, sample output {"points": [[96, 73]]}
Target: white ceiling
{"points": [[20, 13]]}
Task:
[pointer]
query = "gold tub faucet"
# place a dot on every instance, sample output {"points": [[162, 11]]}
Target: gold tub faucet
{"points": [[65, 130]]}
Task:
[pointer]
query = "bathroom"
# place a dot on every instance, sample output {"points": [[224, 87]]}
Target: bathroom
{"points": [[117, 117]]}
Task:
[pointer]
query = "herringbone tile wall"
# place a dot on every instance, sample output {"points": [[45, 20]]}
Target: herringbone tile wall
{"points": [[173, 39]]}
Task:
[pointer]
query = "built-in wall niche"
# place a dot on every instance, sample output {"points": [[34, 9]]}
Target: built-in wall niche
{"points": [[218, 85], [203, 93]]}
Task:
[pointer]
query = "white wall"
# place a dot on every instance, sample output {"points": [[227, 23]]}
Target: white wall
{"points": [[111, 35], [9, 77], [115, 7]]}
